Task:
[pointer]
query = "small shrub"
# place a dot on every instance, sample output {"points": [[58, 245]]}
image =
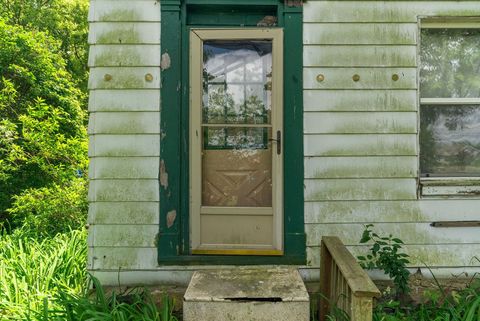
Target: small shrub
{"points": [[51, 210], [385, 254]]}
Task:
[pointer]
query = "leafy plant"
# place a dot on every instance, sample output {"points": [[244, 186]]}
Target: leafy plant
{"points": [[385, 254]]}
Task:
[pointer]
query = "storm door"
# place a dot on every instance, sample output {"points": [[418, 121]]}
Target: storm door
{"points": [[236, 181]]}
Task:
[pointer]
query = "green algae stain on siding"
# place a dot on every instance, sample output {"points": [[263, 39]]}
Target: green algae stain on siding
{"points": [[119, 57], [119, 35], [121, 15]]}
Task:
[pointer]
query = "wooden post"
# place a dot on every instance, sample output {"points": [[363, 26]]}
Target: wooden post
{"points": [[325, 282]]}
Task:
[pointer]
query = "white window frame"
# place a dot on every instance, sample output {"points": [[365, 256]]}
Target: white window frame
{"points": [[441, 187]]}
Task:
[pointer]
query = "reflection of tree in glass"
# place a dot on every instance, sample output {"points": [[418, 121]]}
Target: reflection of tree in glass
{"points": [[450, 68], [220, 105], [450, 63]]}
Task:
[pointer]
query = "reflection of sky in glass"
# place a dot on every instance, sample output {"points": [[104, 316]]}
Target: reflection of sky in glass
{"points": [[237, 81]]}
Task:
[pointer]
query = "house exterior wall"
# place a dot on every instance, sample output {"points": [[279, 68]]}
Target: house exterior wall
{"points": [[360, 137]]}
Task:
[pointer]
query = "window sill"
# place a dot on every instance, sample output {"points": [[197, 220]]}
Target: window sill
{"points": [[445, 187]]}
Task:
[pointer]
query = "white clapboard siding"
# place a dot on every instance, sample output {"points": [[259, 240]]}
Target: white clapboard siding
{"points": [[360, 145], [124, 145], [423, 211], [124, 78], [123, 235], [361, 167], [360, 138], [124, 10], [360, 123], [359, 56], [127, 213], [370, 78], [128, 190], [124, 167], [431, 255], [124, 100], [124, 33], [360, 189], [360, 33], [384, 11], [360, 100], [122, 258], [124, 123], [409, 233], [124, 55]]}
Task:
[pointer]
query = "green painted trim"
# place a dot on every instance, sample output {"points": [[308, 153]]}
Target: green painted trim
{"points": [[173, 243], [169, 236]]}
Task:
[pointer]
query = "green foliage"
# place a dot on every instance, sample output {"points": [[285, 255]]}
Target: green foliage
{"points": [[43, 141], [64, 20], [32, 271], [438, 305], [385, 254], [47, 280], [51, 210]]}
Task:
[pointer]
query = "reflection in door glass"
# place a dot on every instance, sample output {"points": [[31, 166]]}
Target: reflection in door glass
{"points": [[236, 121], [237, 81]]}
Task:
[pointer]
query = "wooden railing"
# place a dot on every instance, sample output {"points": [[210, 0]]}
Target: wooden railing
{"points": [[343, 283]]}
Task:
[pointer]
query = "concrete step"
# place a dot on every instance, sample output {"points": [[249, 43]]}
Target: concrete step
{"points": [[246, 294]]}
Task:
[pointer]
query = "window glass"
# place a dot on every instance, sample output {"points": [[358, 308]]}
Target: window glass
{"points": [[450, 63], [450, 138]]}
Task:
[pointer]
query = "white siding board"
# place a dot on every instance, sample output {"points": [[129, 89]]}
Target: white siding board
{"points": [[431, 255], [360, 123], [359, 56], [124, 55], [409, 233], [421, 211], [124, 100], [360, 145], [121, 10], [123, 190], [128, 213], [124, 78], [361, 167], [124, 123], [124, 235], [360, 100], [360, 33], [360, 189], [124, 167], [370, 78], [124, 145], [124, 33], [122, 258], [384, 11]]}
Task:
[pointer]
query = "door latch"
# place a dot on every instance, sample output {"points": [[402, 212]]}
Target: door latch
{"points": [[278, 141]]}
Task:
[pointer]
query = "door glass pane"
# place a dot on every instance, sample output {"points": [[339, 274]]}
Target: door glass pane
{"points": [[450, 63], [450, 140], [237, 160], [237, 78]]}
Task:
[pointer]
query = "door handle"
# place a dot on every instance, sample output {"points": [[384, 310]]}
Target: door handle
{"points": [[278, 141]]}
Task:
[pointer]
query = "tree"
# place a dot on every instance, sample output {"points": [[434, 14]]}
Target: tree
{"points": [[42, 128], [64, 20]]}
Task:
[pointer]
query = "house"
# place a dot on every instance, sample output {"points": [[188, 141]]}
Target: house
{"points": [[240, 132]]}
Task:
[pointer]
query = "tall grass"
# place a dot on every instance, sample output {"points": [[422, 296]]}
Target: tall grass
{"points": [[46, 280], [33, 272]]}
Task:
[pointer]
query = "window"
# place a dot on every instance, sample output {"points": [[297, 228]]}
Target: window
{"points": [[449, 106]]}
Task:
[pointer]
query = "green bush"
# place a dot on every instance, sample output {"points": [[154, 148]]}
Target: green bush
{"points": [[51, 210], [43, 140]]}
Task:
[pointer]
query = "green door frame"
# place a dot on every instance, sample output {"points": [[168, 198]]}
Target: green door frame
{"points": [[177, 19]]}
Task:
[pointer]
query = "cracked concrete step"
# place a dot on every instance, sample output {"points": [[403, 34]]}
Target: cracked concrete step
{"points": [[246, 294]]}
